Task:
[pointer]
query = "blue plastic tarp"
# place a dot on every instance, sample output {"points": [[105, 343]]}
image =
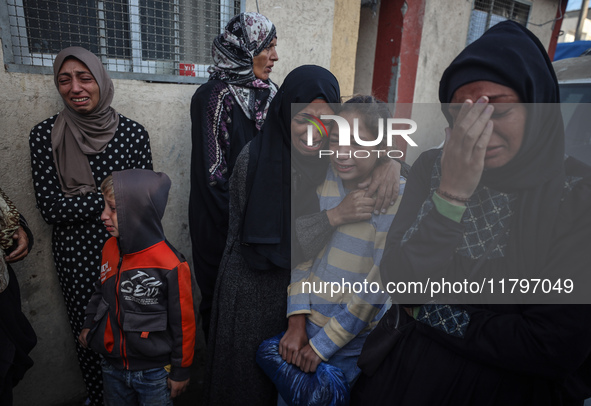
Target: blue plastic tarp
{"points": [[570, 49]]}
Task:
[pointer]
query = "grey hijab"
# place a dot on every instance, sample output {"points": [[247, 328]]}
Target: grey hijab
{"points": [[76, 135]]}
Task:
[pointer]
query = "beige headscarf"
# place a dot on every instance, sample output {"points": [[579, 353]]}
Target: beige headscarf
{"points": [[76, 135]]}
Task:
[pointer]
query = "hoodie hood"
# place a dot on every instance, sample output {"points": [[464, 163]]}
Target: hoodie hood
{"points": [[140, 197]]}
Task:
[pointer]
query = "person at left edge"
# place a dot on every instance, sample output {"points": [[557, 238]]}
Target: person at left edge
{"points": [[17, 337], [71, 153], [141, 318]]}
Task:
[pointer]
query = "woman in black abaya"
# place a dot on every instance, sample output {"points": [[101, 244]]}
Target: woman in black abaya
{"points": [[500, 199], [251, 293]]}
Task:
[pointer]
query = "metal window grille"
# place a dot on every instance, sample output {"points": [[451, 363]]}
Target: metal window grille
{"points": [[156, 40], [487, 13]]}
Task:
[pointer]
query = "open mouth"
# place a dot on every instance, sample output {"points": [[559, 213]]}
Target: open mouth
{"points": [[314, 147], [80, 100], [343, 168]]}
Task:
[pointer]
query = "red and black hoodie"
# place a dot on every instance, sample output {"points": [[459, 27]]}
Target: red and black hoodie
{"points": [[142, 314]]}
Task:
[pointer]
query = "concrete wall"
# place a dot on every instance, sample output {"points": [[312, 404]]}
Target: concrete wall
{"points": [[26, 100], [569, 27], [344, 43], [366, 50], [542, 19], [305, 36], [304, 33], [445, 30]]}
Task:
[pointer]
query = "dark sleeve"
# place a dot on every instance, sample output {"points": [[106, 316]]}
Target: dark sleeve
{"points": [[181, 320], [548, 340], [93, 304], [313, 232], [544, 340], [209, 195], [51, 202], [419, 228]]}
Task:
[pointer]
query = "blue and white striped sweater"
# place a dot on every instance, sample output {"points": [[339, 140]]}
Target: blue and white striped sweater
{"points": [[340, 321]]}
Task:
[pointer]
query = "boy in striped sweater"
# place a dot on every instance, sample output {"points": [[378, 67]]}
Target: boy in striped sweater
{"points": [[336, 299]]}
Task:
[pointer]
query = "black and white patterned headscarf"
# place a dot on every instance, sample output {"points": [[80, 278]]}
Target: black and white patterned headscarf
{"points": [[244, 37]]}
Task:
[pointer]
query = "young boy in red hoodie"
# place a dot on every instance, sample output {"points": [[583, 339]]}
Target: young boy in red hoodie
{"points": [[141, 318]]}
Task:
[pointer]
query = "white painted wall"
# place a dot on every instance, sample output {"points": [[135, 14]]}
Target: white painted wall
{"points": [[304, 32], [569, 27]]}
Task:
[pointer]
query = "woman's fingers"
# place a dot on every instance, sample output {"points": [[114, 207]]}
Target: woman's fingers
{"points": [[469, 127], [482, 143], [463, 156], [472, 124]]}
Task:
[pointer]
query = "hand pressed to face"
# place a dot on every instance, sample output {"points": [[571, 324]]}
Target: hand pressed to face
{"points": [[357, 166], [262, 64], [508, 119], [353, 163], [484, 136], [78, 87]]}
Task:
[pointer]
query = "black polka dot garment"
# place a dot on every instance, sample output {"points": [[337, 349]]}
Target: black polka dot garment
{"points": [[78, 233]]}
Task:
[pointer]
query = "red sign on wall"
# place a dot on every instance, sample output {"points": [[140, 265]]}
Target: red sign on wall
{"points": [[186, 69]]}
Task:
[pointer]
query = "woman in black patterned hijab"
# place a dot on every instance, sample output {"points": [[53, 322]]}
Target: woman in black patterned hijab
{"points": [[226, 113], [499, 201]]}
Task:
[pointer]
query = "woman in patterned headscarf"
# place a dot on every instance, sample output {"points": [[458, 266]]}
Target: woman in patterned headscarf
{"points": [[226, 113]]}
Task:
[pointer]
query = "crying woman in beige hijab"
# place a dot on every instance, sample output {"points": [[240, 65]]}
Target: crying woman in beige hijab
{"points": [[87, 123]]}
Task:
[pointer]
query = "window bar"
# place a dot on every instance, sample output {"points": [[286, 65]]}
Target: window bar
{"points": [[489, 14], [102, 32], [177, 36], [226, 12], [136, 36]]}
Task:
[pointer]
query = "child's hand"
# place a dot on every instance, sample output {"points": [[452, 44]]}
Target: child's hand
{"points": [[177, 387], [384, 183], [82, 337], [294, 339], [307, 359], [354, 207]]}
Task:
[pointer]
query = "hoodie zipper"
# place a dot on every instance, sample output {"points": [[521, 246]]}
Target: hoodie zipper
{"points": [[122, 351]]}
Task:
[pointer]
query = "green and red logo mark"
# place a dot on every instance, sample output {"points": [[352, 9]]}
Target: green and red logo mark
{"points": [[316, 122]]}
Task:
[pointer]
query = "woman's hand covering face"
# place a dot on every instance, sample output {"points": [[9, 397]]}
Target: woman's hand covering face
{"points": [[462, 161]]}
